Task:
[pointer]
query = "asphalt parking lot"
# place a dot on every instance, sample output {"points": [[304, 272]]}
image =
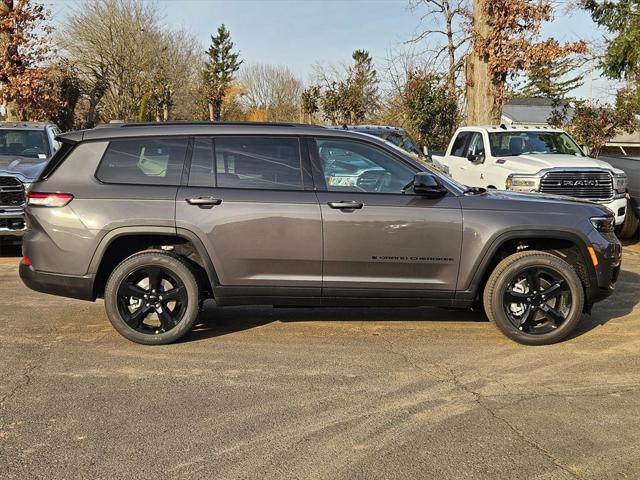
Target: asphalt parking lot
{"points": [[304, 393]]}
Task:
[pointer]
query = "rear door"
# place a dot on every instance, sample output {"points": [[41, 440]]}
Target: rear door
{"points": [[250, 200], [380, 239]]}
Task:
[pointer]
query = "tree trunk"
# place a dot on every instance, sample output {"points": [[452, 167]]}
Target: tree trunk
{"points": [[211, 113], [483, 91], [5, 7]]}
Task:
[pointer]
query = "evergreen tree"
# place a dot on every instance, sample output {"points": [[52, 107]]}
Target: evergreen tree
{"points": [[622, 20], [362, 86], [552, 79], [219, 71]]}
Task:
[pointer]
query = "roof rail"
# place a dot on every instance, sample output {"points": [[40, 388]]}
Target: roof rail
{"points": [[120, 124]]}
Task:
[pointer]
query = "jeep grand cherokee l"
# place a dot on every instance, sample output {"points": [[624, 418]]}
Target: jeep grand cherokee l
{"points": [[157, 218]]}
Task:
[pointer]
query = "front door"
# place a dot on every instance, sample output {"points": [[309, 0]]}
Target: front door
{"points": [[252, 204], [379, 237]]}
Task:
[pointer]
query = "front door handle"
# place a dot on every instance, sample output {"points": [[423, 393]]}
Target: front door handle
{"points": [[346, 205], [204, 202]]}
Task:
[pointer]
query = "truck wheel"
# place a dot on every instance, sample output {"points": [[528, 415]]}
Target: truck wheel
{"points": [[534, 298], [152, 298], [629, 227]]}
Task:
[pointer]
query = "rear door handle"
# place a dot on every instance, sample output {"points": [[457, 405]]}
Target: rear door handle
{"points": [[204, 202], [346, 205]]}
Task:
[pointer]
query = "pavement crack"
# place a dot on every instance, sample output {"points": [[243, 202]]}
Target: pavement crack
{"points": [[478, 399]]}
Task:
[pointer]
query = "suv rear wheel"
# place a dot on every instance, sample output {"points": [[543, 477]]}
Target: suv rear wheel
{"points": [[534, 298], [152, 298]]}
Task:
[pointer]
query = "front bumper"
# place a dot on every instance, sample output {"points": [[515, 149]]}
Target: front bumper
{"points": [[617, 206], [608, 251], [12, 222], [56, 284]]}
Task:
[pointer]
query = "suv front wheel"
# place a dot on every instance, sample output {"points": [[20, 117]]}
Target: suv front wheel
{"points": [[152, 298], [534, 298]]}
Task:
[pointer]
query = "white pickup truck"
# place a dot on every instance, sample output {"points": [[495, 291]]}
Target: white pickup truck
{"points": [[533, 159]]}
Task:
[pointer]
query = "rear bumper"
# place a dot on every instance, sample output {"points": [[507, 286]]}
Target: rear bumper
{"points": [[56, 284]]}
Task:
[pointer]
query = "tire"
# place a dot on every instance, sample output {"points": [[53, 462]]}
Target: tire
{"points": [[541, 315], [629, 227], [132, 302]]}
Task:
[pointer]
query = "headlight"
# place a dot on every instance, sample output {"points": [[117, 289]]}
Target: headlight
{"points": [[523, 183], [620, 180], [603, 224]]}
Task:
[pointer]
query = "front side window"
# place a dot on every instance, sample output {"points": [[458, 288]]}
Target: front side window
{"points": [[351, 166], [146, 161], [476, 145], [509, 144], [460, 143], [271, 163]]}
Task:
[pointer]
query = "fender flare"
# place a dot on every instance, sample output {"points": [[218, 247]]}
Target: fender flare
{"points": [[499, 239], [173, 232]]}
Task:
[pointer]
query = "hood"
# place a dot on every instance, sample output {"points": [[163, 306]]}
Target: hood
{"points": [[26, 167], [533, 163], [533, 202]]}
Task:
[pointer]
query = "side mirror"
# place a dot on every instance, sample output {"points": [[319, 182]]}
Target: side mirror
{"points": [[586, 150], [476, 158], [428, 185], [425, 150]]}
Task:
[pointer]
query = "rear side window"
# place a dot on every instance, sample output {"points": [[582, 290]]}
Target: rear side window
{"points": [[201, 173], [258, 162], [145, 161]]}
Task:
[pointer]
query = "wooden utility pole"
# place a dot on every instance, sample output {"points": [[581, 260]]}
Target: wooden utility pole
{"points": [[480, 86]]}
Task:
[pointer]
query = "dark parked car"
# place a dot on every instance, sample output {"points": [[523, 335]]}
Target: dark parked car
{"points": [[157, 218], [25, 148]]}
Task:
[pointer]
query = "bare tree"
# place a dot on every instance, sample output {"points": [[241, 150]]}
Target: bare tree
{"points": [[130, 65], [273, 90], [443, 27]]}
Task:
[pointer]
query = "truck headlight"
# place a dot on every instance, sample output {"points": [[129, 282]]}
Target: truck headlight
{"points": [[620, 181], [523, 183], [603, 224]]}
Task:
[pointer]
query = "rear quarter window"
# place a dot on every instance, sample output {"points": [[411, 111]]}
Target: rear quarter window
{"points": [[146, 161]]}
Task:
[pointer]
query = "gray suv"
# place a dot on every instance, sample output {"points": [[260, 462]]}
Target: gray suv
{"points": [[156, 218]]}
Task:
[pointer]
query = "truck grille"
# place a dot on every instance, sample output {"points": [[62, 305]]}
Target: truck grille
{"points": [[11, 192], [593, 185]]}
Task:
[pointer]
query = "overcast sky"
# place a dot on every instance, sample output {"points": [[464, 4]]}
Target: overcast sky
{"points": [[300, 33]]}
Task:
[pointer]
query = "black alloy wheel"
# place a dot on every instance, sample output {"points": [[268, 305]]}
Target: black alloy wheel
{"points": [[148, 292], [537, 300]]}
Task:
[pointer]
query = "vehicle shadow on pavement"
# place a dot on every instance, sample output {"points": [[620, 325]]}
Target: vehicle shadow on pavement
{"points": [[215, 321]]}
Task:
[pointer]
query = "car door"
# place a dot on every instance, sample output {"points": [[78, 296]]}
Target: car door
{"points": [[252, 204], [457, 157], [475, 171], [380, 239]]}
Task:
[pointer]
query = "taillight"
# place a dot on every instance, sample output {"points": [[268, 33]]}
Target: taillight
{"points": [[26, 261], [39, 199]]}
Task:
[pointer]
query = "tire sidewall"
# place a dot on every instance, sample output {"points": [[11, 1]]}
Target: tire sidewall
{"points": [[169, 262], [577, 300]]}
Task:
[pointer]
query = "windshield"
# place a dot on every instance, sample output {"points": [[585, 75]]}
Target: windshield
{"points": [[400, 139], [24, 143], [509, 144]]}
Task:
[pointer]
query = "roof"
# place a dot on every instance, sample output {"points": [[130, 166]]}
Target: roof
{"points": [[24, 125], [124, 130], [516, 128], [530, 111]]}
